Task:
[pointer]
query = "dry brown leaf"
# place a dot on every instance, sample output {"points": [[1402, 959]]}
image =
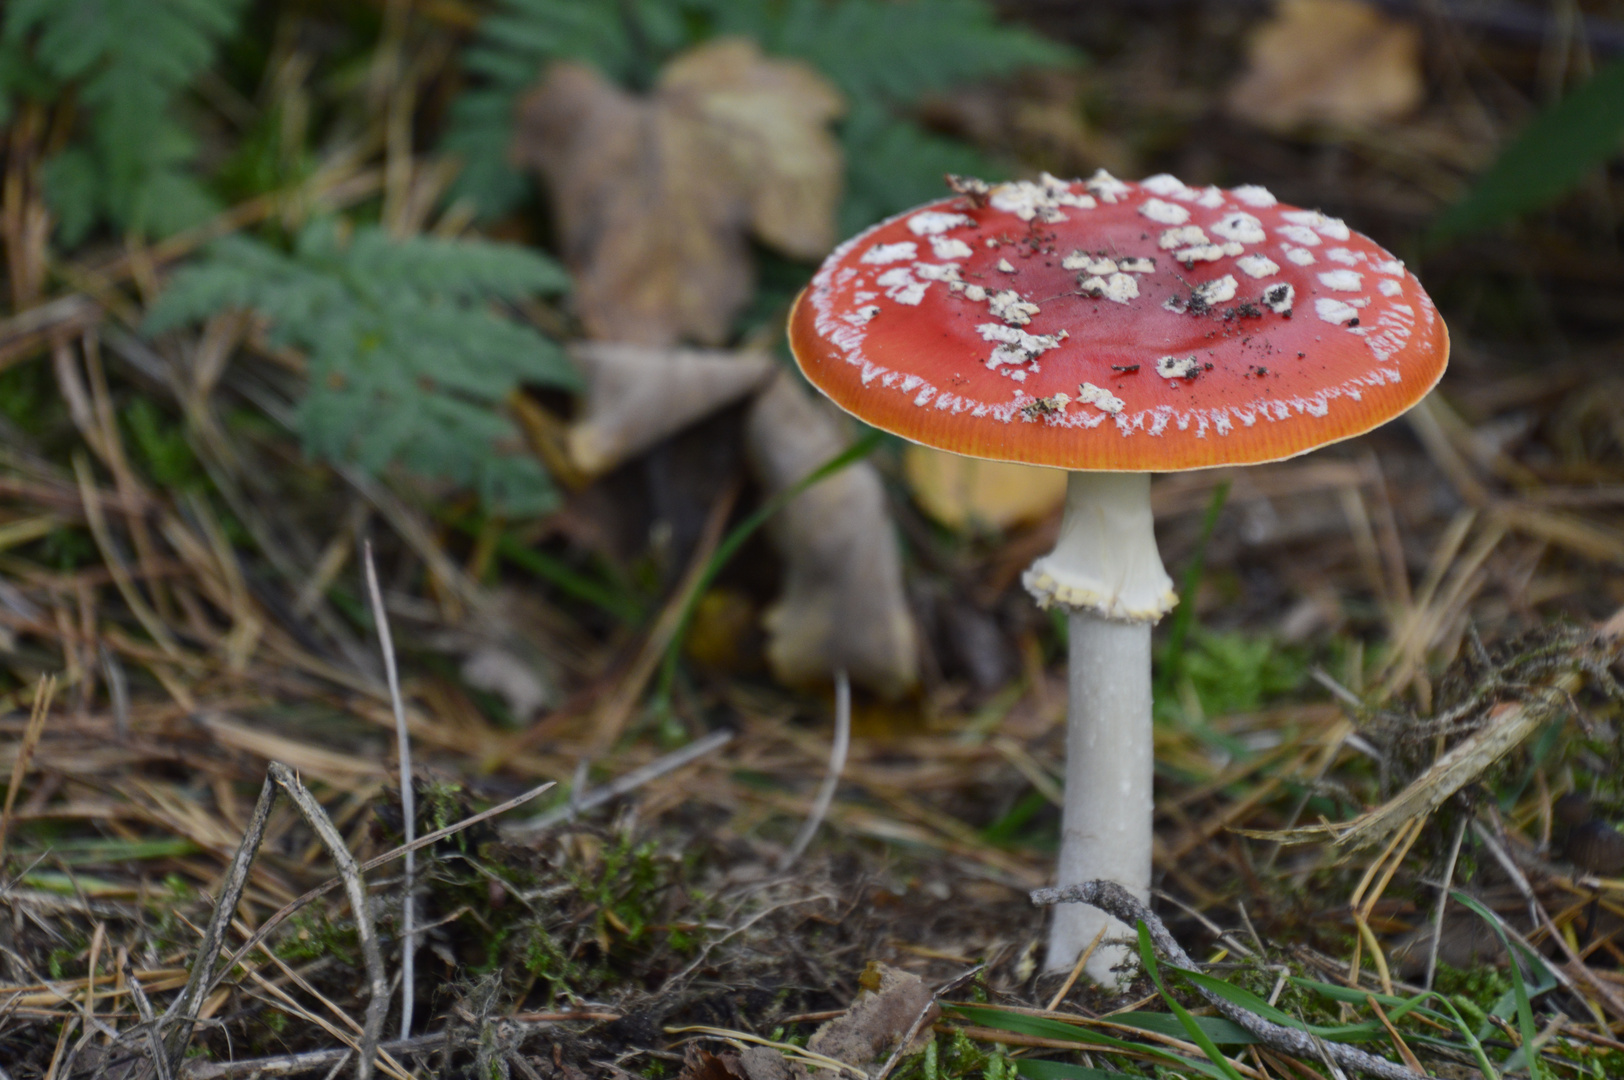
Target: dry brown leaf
{"points": [[1336, 62], [843, 604], [638, 395], [657, 196], [885, 1009], [964, 492]]}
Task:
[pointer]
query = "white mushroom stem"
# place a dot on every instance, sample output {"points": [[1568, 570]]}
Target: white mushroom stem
{"points": [[1105, 570]]}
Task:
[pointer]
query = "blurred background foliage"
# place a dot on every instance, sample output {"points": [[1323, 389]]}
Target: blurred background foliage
{"points": [[149, 117]]}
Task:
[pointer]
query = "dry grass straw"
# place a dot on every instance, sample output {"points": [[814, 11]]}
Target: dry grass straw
{"points": [[216, 655], [43, 692]]}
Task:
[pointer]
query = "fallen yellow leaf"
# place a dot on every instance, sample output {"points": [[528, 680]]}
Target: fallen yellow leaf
{"points": [[962, 492]]}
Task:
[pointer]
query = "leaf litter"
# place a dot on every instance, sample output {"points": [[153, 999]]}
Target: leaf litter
{"points": [[579, 950], [658, 196]]}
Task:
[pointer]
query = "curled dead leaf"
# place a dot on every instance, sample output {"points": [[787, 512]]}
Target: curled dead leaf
{"points": [[638, 395], [1336, 62], [657, 196], [843, 604], [880, 1017]]}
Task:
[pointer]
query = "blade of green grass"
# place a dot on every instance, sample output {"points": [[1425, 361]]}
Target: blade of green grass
{"points": [[1220, 1031], [1147, 956], [555, 570], [1546, 160], [1003, 831], [1526, 1055], [1450, 1018], [1042, 1027], [1252, 1003], [89, 852], [1483, 1063], [75, 884], [1059, 1070]]}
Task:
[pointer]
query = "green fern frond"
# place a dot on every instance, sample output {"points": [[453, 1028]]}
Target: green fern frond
{"points": [[890, 51], [128, 61], [892, 164], [408, 362], [882, 54]]}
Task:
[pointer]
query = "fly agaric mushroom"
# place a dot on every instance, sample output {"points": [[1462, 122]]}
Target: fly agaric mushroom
{"points": [[1115, 329]]}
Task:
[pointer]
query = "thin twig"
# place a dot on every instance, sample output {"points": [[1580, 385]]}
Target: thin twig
{"points": [[831, 778], [408, 798], [293, 906], [288, 1064], [183, 1011], [1114, 900], [378, 1002], [1577, 969], [181, 1016], [118, 690], [1443, 902], [143, 1008], [616, 788]]}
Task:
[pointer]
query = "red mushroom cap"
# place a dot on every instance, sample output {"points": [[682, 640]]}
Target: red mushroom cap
{"points": [[1145, 327]]}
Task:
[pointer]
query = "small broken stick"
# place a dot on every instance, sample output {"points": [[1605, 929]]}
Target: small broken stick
{"points": [[1114, 900]]}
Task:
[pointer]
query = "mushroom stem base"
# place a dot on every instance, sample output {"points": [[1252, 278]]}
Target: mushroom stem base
{"points": [[1106, 821]]}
